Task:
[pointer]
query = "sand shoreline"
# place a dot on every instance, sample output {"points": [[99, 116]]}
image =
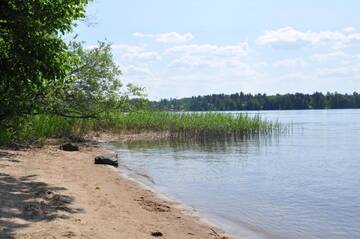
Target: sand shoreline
{"points": [[49, 193]]}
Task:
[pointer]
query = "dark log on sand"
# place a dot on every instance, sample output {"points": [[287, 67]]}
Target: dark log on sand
{"points": [[109, 160], [69, 147]]}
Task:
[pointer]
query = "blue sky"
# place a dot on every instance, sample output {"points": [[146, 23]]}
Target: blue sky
{"points": [[195, 47]]}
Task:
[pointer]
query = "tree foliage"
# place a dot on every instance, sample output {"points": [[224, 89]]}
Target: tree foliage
{"points": [[34, 59], [95, 86], [41, 73]]}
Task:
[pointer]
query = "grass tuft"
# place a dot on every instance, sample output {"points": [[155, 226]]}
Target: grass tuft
{"points": [[188, 126]]}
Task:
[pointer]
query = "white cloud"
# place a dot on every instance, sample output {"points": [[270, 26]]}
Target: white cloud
{"points": [[137, 71], [291, 35], [140, 34], [350, 71], [349, 29], [329, 61], [338, 56], [209, 49], [167, 37], [135, 53], [173, 37], [354, 37], [227, 60], [290, 63], [291, 77], [327, 56], [208, 55]]}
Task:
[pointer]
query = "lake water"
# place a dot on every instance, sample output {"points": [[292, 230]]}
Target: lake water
{"points": [[303, 184]]}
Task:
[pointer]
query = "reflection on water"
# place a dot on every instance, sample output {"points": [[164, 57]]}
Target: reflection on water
{"points": [[213, 145], [303, 184]]}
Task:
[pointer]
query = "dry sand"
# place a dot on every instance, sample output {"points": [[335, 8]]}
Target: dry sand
{"points": [[49, 193]]}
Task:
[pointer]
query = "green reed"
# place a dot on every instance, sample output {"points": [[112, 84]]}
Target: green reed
{"points": [[176, 125]]}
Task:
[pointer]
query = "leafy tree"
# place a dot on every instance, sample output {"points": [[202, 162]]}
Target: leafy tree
{"points": [[34, 59], [95, 87]]}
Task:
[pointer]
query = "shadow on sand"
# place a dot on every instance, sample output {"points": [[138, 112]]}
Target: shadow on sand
{"points": [[25, 200]]}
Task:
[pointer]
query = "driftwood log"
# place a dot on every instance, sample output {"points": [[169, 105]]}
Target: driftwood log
{"points": [[69, 147], [109, 160]]}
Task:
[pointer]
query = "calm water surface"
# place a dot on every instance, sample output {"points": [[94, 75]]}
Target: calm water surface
{"points": [[305, 184]]}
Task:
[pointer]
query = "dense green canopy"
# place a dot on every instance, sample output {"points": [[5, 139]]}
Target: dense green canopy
{"points": [[34, 59], [44, 76]]}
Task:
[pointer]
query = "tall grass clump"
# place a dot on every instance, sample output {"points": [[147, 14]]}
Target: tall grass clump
{"points": [[192, 125], [175, 125], [37, 127]]}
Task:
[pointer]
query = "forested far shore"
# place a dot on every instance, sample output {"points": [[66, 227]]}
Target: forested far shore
{"points": [[242, 101]]}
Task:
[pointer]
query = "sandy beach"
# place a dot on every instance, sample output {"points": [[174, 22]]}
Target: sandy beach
{"points": [[49, 193]]}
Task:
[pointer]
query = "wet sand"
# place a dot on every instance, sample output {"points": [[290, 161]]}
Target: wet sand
{"points": [[49, 193]]}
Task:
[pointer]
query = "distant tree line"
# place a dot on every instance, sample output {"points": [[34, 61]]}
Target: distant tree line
{"points": [[241, 101]]}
